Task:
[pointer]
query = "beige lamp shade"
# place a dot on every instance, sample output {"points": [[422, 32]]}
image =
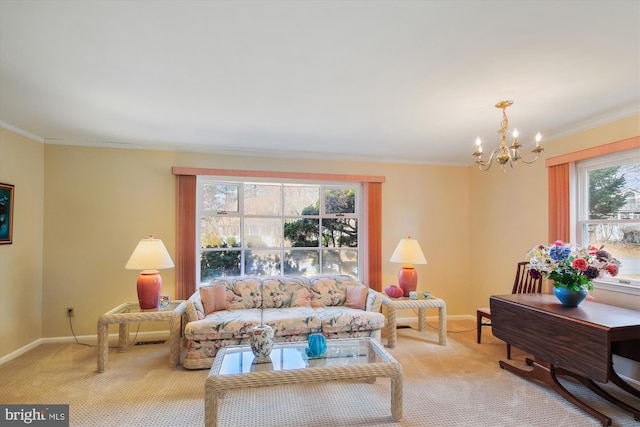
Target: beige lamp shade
{"points": [[408, 252], [150, 254]]}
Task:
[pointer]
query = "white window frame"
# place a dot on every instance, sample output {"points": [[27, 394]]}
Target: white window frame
{"points": [[579, 209], [358, 215]]}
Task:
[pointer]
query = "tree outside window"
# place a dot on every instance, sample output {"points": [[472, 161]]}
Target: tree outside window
{"points": [[609, 210]]}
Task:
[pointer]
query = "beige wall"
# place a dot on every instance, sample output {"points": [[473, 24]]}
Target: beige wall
{"points": [[97, 203], [21, 272]]}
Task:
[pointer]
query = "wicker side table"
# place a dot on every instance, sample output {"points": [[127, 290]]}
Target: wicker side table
{"points": [[131, 312], [394, 304]]}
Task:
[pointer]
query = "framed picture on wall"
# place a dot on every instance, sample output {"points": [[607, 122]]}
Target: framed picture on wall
{"points": [[6, 214]]}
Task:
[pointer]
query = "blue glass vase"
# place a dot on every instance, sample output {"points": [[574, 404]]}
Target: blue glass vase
{"points": [[570, 298]]}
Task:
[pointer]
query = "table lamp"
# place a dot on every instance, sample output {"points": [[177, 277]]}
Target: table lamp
{"points": [[149, 256], [407, 253]]}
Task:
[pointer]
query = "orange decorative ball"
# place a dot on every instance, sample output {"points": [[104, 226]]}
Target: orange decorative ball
{"points": [[394, 291]]}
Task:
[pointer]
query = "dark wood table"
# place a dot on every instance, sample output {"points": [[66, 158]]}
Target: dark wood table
{"points": [[577, 342]]}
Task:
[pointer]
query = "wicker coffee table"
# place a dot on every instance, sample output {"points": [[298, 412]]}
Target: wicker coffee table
{"points": [[421, 304], [344, 359], [131, 312]]}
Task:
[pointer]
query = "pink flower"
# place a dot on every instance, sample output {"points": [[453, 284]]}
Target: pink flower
{"points": [[580, 264], [558, 243], [593, 250], [612, 269]]}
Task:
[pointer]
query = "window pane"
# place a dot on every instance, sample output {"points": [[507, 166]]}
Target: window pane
{"points": [[219, 263], [262, 199], [301, 233], [340, 233], [340, 201], [301, 200], [219, 232], [340, 262], [219, 197], [304, 263], [262, 263], [613, 192], [263, 232], [277, 228], [622, 241]]}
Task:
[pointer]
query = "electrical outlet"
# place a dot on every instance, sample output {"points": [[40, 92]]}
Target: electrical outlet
{"points": [[69, 312]]}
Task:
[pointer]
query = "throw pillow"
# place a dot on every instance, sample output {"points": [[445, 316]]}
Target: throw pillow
{"points": [[356, 297], [214, 298]]}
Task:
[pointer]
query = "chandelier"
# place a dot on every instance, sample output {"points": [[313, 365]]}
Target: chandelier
{"points": [[505, 154]]}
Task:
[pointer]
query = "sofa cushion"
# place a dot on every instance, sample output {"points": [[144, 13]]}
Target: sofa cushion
{"points": [[345, 319], [223, 324], [330, 289], [286, 291], [292, 321], [242, 291], [214, 298], [356, 297]]}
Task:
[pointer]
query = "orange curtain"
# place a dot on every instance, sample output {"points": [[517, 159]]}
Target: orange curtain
{"points": [[185, 236], [373, 218], [559, 203]]}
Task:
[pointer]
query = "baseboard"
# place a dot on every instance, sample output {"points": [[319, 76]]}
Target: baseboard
{"points": [[20, 351], [91, 340]]}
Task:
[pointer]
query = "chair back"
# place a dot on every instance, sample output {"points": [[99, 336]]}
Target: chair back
{"points": [[524, 283]]}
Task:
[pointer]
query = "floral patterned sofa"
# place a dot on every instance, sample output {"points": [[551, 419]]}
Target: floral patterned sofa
{"points": [[295, 306]]}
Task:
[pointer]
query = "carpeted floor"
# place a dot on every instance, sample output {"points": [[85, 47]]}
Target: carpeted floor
{"points": [[459, 384]]}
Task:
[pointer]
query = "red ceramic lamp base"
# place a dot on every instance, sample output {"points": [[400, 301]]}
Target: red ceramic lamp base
{"points": [[149, 287], [408, 279]]}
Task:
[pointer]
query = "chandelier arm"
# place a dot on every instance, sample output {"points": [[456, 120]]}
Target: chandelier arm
{"points": [[528, 161], [480, 166], [489, 162]]}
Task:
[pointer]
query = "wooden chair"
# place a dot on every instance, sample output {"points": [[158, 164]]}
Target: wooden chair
{"points": [[523, 284]]}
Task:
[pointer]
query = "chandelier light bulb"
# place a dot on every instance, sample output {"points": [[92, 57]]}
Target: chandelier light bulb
{"points": [[515, 133], [478, 141], [538, 138]]}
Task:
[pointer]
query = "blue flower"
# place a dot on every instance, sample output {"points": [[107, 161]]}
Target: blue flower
{"points": [[558, 253]]}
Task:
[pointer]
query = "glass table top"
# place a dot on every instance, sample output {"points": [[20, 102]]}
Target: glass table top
{"points": [[134, 307], [287, 356]]}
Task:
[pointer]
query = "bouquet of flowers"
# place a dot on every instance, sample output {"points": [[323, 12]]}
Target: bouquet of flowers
{"points": [[570, 266]]}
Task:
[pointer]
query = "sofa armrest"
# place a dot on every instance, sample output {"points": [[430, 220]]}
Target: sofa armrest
{"points": [[181, 309], [374, 301]]}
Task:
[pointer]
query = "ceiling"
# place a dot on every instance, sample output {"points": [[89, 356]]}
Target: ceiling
{"points": [[392, 81]]}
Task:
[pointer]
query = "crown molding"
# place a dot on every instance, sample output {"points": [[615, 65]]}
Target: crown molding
{"points": [[22, 132], [602, 118]]}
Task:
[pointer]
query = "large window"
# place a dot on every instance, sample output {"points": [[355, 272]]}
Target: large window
{"points": [[608, 211], [267, 228]]}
